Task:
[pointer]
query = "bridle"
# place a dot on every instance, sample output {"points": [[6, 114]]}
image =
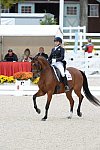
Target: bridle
{"points": [[38, 68]]}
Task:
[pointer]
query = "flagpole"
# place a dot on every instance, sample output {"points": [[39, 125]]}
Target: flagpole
{"points": [[61, 14]]}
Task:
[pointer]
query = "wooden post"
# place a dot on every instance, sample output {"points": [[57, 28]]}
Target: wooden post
{"points": [[84, 13]]}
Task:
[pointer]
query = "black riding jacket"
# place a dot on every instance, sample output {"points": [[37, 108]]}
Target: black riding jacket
{"points": [[57, 54]]}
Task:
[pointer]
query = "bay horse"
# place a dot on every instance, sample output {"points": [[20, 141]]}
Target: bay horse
{"points": [[48, 84]]}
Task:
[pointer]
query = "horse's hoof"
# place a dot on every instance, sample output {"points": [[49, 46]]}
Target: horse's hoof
{"points": [[69, 117], [43, 119], [79, 114], [38, 111]]}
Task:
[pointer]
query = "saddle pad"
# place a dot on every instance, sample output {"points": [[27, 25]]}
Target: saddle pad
{"points": [[68, 75], [57, 72]]}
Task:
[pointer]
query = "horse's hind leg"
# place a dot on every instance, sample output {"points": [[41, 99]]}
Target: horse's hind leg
{"points": [[79, 106], [78, 93], [69, 96], [39, 93]]}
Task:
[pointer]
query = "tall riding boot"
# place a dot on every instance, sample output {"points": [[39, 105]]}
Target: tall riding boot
{"points": [[66, 84]]}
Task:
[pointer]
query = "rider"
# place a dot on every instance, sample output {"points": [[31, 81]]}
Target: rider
{"points": [[56, 58]]}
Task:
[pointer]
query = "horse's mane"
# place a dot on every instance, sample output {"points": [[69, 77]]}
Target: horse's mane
{"points": [[43, 61]]}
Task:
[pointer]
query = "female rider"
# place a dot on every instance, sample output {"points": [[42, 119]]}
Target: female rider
{"points": [[56, 58]]}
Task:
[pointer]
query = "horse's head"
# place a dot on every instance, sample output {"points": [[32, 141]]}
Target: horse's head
{"points": [[36, 66]]}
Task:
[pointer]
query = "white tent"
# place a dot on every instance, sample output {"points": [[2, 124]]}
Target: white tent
{"points": [[20, 37], [29, 30]]}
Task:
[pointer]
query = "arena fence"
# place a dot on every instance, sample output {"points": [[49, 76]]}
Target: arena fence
{"points": [[77, 36]]}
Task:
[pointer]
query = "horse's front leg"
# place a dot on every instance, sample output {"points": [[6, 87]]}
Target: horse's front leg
{"points": [[39, 93], [49, 97]]}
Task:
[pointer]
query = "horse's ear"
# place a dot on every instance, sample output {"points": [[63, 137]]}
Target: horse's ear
{"points": [[34, 58]]}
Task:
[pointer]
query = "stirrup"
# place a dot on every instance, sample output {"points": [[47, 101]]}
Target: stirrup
{"points": [[67, 88]]}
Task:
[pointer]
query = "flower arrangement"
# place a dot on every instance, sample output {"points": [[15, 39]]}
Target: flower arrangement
{"points": [[23, 75], [7, 79], [18, 76]]}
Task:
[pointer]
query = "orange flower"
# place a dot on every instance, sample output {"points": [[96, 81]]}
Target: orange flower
{"points": [[23, 75]]}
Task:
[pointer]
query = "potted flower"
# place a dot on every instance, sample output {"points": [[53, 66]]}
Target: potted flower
{"points": [[23, 78], [6, 79]]}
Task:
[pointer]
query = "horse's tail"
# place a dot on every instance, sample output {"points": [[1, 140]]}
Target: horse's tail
{"points": [[87, 92]]}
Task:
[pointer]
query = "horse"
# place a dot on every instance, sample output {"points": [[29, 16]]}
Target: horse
{"points": [[48, 84]]}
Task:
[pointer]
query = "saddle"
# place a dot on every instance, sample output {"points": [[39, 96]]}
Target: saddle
{"points": [[57, 73], [59, 76]]}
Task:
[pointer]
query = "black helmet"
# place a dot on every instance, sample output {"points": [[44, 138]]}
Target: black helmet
{"points": [[58, 39]]}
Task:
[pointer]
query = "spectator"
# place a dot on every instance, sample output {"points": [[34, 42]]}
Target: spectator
{"points": [[26, 57], [42, 53], [10, 56], [88, 48]]}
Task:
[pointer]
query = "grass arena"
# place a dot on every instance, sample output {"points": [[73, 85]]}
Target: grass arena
{"points": [[21, 127]]}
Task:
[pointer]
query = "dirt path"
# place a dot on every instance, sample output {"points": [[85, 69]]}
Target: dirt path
{"points": [[21, 127]]}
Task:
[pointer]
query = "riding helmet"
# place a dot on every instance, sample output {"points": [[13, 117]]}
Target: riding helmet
{"points": [[58, 39]]}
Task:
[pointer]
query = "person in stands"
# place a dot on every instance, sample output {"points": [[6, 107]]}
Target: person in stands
{"points": [[88, 48], [10, 56], [26, 57], [42, 53], [56, 58]]}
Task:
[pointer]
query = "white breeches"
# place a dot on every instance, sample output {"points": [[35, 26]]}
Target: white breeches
{"points": [[59, 65]]}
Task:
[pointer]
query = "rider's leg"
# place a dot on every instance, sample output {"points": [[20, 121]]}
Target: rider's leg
{"points": [[59, 65], [66, 84]]}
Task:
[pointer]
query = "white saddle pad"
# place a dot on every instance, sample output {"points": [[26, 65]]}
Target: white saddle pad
{"points": [[68, 75]]}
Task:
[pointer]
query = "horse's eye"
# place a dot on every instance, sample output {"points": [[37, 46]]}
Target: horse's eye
{"points": [[35, 65]]}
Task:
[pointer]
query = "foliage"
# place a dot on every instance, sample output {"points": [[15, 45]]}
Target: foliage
{"points": [[7, 79], [26, 76], [9, 3], [23, 75], [48, 20], [18, 76]]}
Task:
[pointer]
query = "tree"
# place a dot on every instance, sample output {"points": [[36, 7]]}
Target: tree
{"points": [[48, 20], [8, 3], [84, 13]]}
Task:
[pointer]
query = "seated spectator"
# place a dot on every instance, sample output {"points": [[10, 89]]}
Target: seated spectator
{"points": [[88, 48], [10, 56], [42, 53], [26, 57]]}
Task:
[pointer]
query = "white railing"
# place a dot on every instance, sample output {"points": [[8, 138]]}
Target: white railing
{"points": [[91, 66], [69, 34], [70, 31]]}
